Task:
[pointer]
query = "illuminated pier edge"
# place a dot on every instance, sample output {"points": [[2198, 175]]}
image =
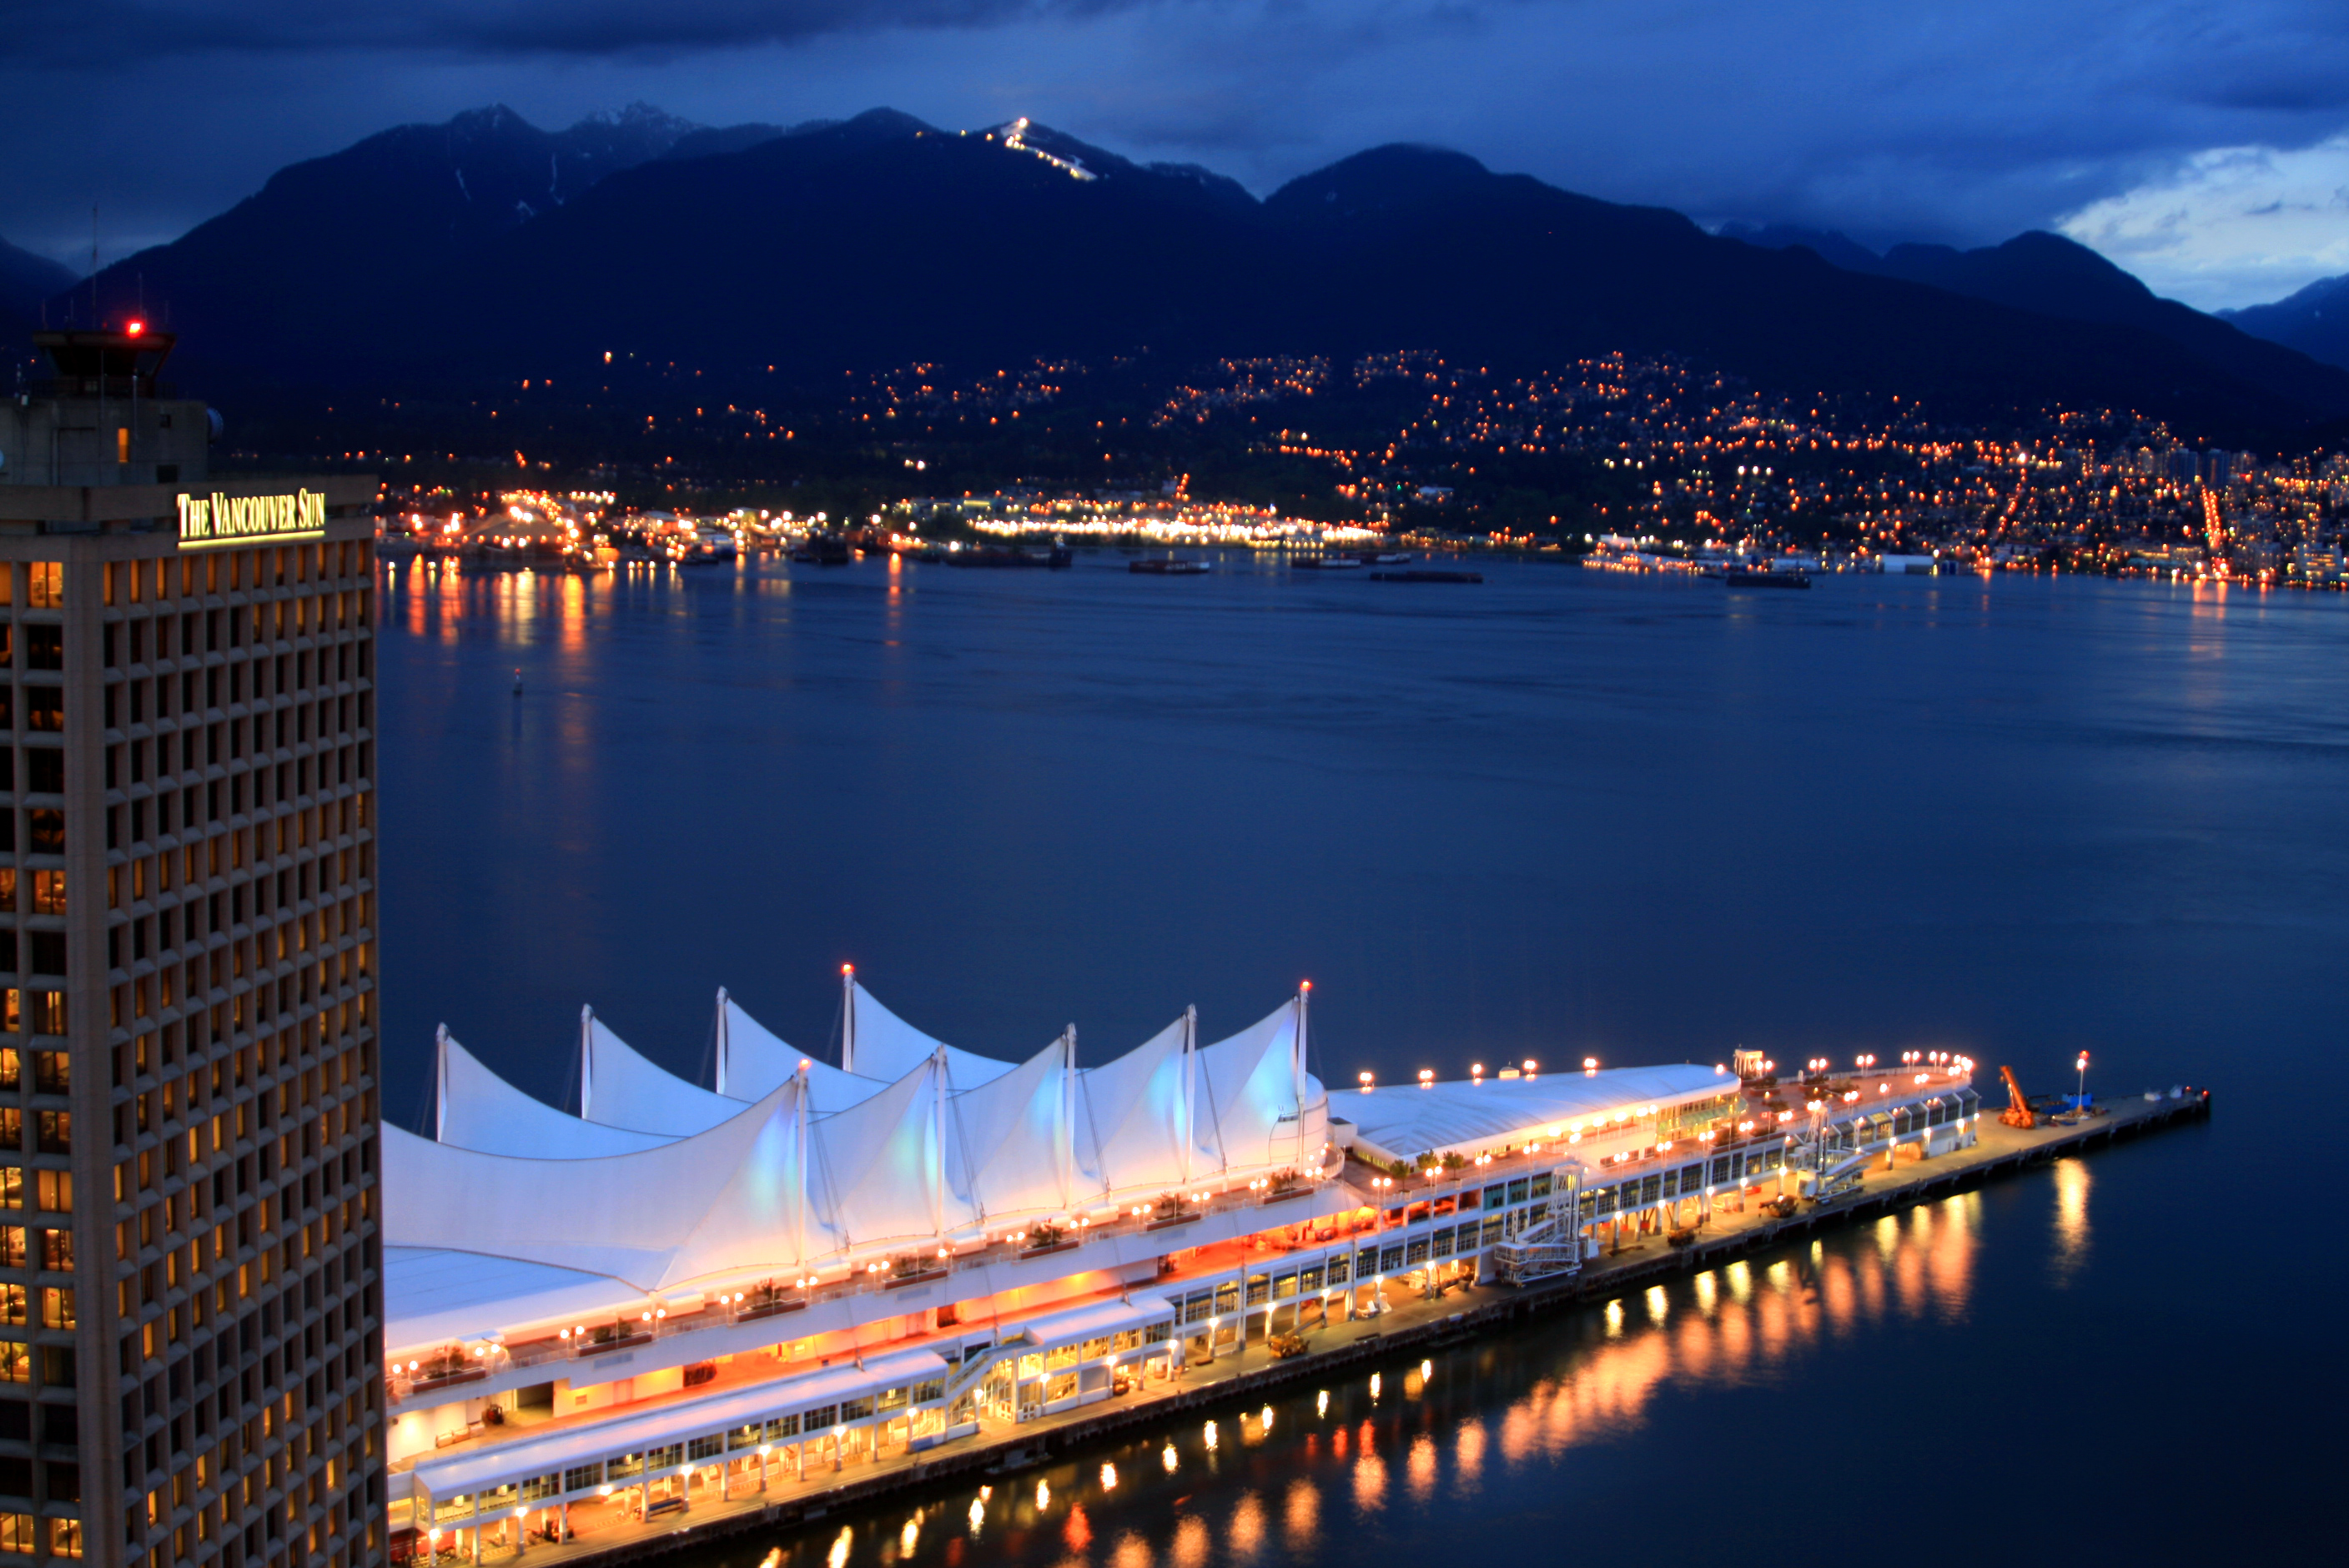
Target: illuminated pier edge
{"points": [[927, 1246]]}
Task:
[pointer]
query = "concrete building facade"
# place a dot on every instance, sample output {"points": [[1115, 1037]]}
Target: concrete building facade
{"points": [[189, 1298]]}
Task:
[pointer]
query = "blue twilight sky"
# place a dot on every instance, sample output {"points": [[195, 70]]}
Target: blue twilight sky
{"points": [[2204, 144]]}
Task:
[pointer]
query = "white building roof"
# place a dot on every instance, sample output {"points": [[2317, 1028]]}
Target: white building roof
{"points": [[880, 1045], [784, 1184], [753, 1062], [620, 1087], [475, 1108], [1468, 1118], [488, 1468], [440, 1296], [1092, 1321]]}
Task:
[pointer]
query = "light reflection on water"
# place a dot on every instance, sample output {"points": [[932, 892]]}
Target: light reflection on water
{"points": [[1312, 1471], [2071, 1220]]}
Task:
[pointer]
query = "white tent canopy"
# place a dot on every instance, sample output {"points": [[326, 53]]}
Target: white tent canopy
{"points": [[782, 1185], [650, 1218], [619, 1086], [1254, 1093], [878, 1043], [752, 1063], [477, 1110], [1136, 1114], [1015, 1139]]}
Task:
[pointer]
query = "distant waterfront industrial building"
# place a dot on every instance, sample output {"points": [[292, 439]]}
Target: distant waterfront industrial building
{"points": [[190, 1302]]}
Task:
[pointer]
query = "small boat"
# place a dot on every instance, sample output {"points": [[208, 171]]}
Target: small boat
{"points": [[517, 683], [1327, 563], [1427, 574], [1762, 577], [1169, 566], [1387, 557]]}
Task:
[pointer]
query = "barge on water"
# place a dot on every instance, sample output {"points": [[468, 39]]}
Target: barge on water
{"points": [[1764, 577], [805, 1279]]}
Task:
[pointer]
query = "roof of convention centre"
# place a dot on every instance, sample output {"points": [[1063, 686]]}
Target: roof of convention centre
{"points": [[1471, 1116], [660, 1184]]}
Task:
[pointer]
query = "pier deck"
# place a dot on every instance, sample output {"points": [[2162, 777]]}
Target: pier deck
{"points": [[1409, 1322]]}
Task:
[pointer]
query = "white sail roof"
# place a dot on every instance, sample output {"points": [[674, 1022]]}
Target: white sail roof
{"points": [[445, 1296], [477, 1110], [883, 1046], [876, 1177], [1248, 1087], [1135, 1114], [619, 1086], [653, 1219], [1011, 1140], [753, 1062], [785, 1184]]}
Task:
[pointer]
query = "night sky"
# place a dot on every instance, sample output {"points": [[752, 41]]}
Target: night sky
{"points": [[2204, 144]]}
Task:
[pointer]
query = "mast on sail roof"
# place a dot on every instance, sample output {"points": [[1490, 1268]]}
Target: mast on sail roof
{"points": [[586, 1059], [1190, 1090], [1304, 996], [721, 1039], [848, 1018], [938, 1142], [1066, 1134], [800, 1157]]}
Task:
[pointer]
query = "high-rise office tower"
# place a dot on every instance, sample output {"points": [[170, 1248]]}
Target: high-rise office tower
{"points": [[190, 1296]]}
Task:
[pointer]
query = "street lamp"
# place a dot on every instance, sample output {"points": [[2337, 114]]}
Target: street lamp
{"points": [[2081, 1103]]}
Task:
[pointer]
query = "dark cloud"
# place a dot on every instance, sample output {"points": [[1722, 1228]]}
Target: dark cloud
{"points": [[90, 32], [1889, 119]]}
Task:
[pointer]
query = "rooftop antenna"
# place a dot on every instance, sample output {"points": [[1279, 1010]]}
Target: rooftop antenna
{"points": [[93, 264]]}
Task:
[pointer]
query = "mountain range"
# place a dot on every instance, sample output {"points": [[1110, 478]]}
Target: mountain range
{"points": [[2052, 275], [435, 260], [2315, 320], [27, 282]]}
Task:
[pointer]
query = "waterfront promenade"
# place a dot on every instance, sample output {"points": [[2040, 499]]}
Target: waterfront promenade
{"points": [[1409, 1322]]}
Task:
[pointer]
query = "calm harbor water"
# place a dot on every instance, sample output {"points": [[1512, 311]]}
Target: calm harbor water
{"points": [[1562, 814]]}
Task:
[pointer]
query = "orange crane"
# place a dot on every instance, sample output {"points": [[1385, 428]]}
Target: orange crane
{"points": [[2018, 1110]]}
